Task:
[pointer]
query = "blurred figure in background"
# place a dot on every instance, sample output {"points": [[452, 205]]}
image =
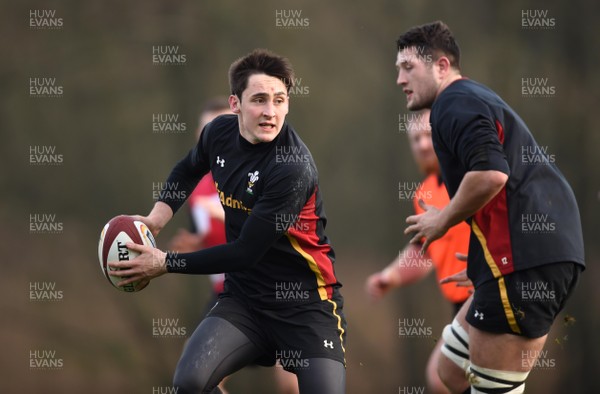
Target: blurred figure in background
{"points": [[208, 230], [207, 215], [444, 255]]}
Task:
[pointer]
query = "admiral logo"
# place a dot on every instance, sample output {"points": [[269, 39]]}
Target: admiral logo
{"points": [[230, 202]]}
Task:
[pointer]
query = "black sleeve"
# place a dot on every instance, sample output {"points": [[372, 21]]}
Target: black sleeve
{"points": [[286, 191], [470, 134], [255, 239], [186, 174]]}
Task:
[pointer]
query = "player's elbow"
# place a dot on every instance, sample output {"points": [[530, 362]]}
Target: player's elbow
{"points": [[486, 184], [496, 180], [491, 184]]}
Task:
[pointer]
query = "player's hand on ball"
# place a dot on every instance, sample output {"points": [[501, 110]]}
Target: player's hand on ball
{"points": [[153, 227], [150, 264], [428, 226]]}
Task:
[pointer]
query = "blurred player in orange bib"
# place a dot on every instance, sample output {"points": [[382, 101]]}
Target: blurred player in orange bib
{"points": [[411, 266]]}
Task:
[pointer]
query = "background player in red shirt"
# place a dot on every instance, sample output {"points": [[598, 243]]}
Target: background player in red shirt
{"points": [[205, 208], [410, 267]]}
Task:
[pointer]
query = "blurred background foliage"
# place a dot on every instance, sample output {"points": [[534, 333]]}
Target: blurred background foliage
{"points": [[102, 125]]}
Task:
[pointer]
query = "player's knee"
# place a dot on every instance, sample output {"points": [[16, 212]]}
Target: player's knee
{"points": [[485, 380], [193, 381], [453, 363], [456, 344]]}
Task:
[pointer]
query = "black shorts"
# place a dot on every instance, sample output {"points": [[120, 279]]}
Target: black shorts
{"points": [[291, 335], [523, 302]]}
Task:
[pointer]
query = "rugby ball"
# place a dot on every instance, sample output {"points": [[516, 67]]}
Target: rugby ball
{"points": [[114, 236]]}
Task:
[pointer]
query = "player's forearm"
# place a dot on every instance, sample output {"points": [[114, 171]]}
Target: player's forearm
{"points": [[229, 257], [475, 191], [255, 240]]}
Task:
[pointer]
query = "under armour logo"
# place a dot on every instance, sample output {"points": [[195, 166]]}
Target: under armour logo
{"points": [[504, 260], [478, 315], [328, 344], [220, 161]]}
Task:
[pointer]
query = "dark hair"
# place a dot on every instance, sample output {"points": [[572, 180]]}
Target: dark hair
{"points": [[434, 39], [259, 61]]}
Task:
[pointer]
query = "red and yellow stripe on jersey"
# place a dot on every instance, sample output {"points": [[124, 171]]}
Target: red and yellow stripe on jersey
{"points": [[306, 240]]}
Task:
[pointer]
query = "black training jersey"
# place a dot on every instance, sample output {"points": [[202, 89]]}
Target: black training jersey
{"points": [[276, 253], [534, 220]]}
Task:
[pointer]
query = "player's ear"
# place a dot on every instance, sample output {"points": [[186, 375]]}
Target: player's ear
{"points": [[234, 104], [443, 65]]}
